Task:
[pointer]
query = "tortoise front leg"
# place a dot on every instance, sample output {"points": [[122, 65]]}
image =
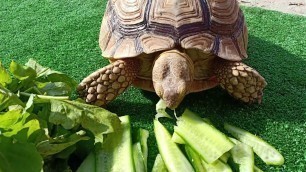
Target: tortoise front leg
{"points": [[241, 81], [105, 84]]}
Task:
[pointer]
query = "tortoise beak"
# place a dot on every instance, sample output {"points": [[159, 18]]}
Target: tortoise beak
{"points": [[172, 99]]}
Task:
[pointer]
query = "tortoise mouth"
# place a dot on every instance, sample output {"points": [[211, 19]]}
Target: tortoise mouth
{"points": [[173, 98]]}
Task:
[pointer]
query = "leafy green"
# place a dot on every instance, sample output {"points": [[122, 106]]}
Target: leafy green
{"points": [[19, 125], [9, 118], [22, 72], [18, 156], [58, 144], [70, 114], [54, 88], [5, 76], [45, 73], [8, 98], [39, 122]]}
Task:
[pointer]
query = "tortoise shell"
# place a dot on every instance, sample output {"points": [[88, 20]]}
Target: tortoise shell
{"points": [[205, 28], [132, 27]]}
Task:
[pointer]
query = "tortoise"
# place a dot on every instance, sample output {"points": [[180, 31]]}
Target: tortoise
{"points": [[173, 47]]}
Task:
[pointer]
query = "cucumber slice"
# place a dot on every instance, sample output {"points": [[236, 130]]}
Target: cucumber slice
{"points": [[159, 165], [143, 136], [256, 169], [205, 139], [216, 166], [195, 159], [174, 159], [208, 121], [161, 110], [243, 155], [89, 164], [116, 151], [177, 139], [201, 166], [264, 150], [224, 158], [138, 158]]}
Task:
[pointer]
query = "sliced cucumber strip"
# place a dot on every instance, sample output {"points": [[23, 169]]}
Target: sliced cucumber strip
{"points": [[174, 159], [202, 166], [177, 139], [256, 169], [224, 158], [116, 151], [216, 166], [89, 164], [264, 150], [205, 139], [208, 121], [142, 138], [138, 158], [161, 110], [195, 159], [243, 155], [159, 165]]}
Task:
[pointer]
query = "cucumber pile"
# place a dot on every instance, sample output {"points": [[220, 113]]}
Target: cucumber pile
{"points": [[205, 148], [195, 146], [119, 152]]}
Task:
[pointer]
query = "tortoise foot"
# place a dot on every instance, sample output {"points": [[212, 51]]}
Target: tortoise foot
{"points": [[105, 84], [241, 81]]}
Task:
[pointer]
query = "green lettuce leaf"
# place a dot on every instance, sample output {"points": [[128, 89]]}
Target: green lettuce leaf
{"points": [[17, 124], [23, 77], [54, 88], [8, 98], [60, 143], [5, 77], [9, 118], [46, 74], [17, 156], [70, 114], [22, 72]]}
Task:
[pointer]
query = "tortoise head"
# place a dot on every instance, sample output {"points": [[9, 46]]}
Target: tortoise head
{"points": [[172, 76]]}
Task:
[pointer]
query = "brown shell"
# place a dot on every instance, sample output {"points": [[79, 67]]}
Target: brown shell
{"points": [[133, 27]]}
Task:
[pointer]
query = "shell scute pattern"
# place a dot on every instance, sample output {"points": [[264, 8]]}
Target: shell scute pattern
{"points": [[133, 27]]}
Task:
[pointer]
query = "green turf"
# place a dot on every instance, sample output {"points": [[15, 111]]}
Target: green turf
{"points": [[64, 35]]}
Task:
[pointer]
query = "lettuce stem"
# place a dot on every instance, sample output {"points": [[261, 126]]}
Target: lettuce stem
{"points": [[46, 97]]}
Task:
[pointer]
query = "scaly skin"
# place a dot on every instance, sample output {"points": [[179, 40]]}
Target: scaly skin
{"points": [[105, 84], [240, 81], [172, 79]]}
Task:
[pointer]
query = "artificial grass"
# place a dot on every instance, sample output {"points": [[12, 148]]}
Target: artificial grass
{"points": [[63, 35]]}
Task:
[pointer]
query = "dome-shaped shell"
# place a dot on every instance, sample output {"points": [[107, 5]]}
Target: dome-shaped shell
{"points": [[132, 27]]}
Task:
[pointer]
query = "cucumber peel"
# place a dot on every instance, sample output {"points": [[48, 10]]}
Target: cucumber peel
{"points": [[159, 165], [216, 166], [224, 158], [195, 159], [142, 137], [138, 158], [89, 164], [264, 150], [202, 166], [203, 138], [171, 154], [243, 155], [177, 138]]}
